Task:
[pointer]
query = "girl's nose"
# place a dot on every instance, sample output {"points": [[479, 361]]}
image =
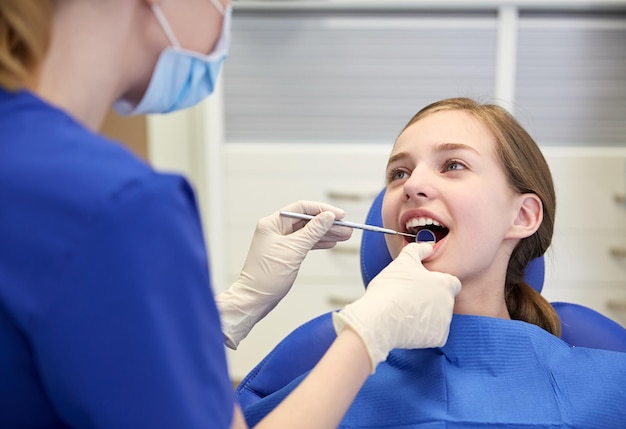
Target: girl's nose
{"points": [[420, 184]]}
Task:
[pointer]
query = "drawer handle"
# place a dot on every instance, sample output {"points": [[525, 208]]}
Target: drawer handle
{"points": [[618, 252], [619, 306], [351, 196], [620, 199], [346, 250], [339, 301]]}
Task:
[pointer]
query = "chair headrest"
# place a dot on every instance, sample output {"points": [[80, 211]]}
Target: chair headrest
{"points": [[375, 256]]}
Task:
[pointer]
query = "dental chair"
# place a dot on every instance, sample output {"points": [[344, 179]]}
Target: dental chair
{"points": [[302, 349]]}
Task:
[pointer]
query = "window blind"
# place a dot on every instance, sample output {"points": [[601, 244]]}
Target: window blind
{"points": [[350, 77], [571, 78]]}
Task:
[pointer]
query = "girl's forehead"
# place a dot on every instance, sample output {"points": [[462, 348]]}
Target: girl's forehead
{"points": [[446, 127]]}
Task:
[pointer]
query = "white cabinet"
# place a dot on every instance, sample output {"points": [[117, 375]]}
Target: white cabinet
{"points": [[584, 264], [261, 179]]}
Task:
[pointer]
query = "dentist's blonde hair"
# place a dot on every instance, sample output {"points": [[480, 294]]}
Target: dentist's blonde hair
{"points": [[527, 172], [25, 27]]}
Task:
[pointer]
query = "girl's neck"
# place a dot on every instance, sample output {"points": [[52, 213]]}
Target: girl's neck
{"points": [[482, 297]]}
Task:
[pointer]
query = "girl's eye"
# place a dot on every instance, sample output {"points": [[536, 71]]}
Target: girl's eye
{"points": [[453, 165], [397, 174]]}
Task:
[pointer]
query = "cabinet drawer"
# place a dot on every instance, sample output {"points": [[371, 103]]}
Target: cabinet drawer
{"points": [[261, 181], [249, 199], [587, 187], [606, 300], [588, 256], [340, 264]]}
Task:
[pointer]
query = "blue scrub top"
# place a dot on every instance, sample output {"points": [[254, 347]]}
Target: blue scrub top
{"points": [[107, 318]]}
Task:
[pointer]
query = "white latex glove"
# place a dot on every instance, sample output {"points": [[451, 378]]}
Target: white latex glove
{"points": [[278, 247], [405, 306]]}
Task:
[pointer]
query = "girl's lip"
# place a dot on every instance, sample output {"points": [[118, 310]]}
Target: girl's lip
{"points": [[436, 247]]}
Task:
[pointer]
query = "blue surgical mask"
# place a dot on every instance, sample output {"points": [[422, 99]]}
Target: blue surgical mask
{"points": [[181, 78]]}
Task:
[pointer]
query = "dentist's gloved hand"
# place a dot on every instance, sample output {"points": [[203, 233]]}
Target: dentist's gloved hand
{"points": [[278, 247], [405, 306]]}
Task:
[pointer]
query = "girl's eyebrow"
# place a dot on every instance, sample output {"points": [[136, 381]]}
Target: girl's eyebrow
{"points": [[449, 147], [396, 157], [439, 148]]}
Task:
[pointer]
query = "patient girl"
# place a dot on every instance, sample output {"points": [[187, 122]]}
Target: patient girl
{"points": [[472, 175], [476, 172]]}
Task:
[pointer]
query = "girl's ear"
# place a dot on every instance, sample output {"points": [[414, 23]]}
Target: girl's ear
{"points": [[529, 216]]}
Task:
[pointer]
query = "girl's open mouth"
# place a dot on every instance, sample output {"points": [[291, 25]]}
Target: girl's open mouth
{"points": [[426, 229]]}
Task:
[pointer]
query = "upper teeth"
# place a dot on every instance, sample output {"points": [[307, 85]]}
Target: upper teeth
{"points": [[421, 221]]}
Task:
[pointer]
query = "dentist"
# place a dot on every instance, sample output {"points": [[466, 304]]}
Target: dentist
{"points": [[107, 319]]}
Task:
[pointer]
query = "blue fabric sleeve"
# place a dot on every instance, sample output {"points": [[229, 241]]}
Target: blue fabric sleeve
{"points": [[132, 337]]}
